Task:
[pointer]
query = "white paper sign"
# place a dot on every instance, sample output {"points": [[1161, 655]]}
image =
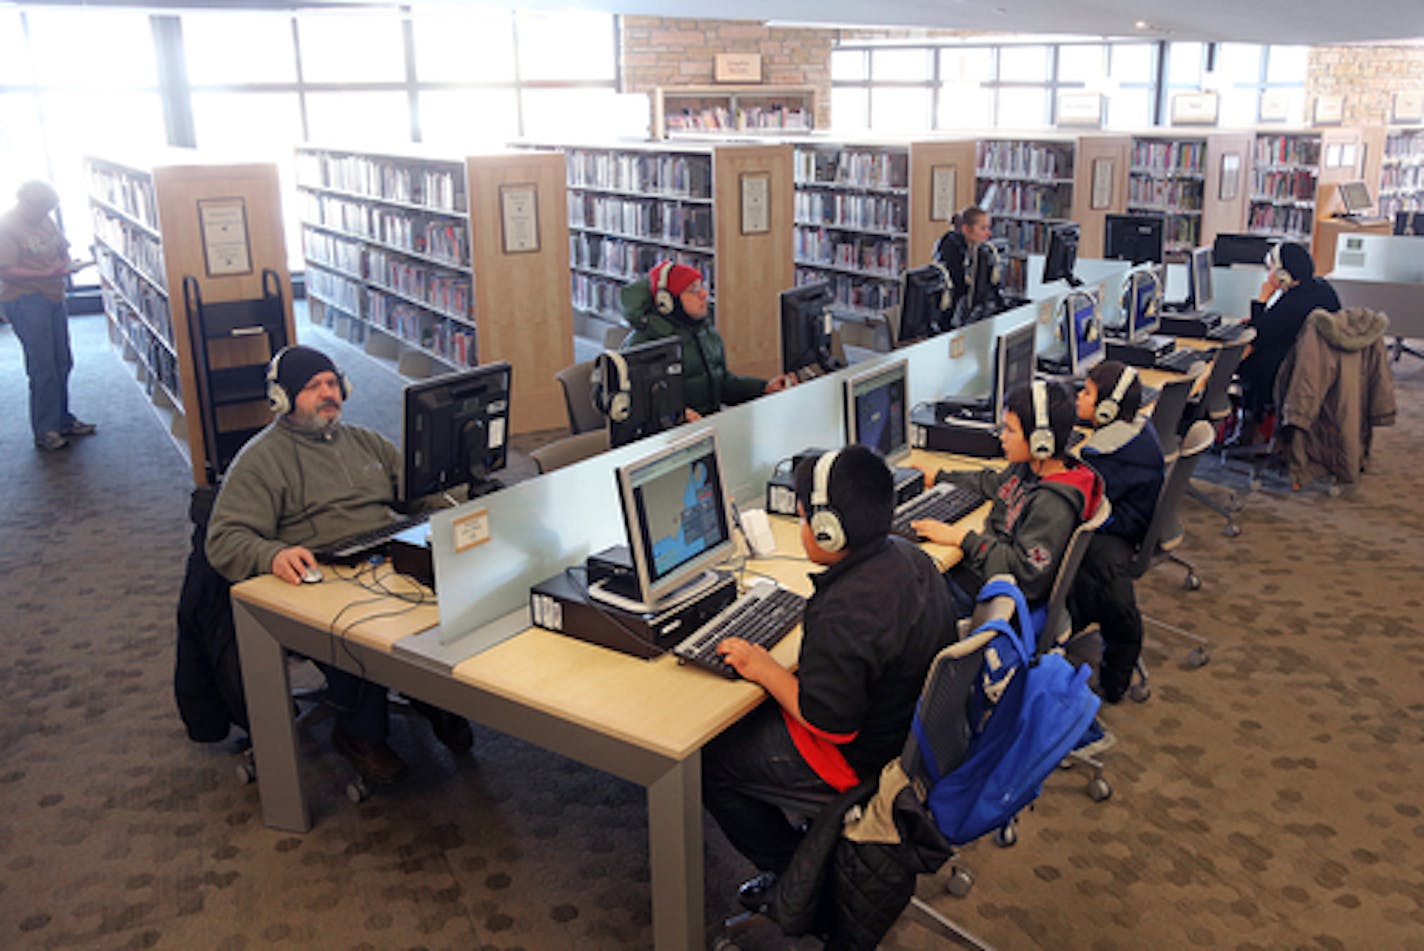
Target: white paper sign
{"points": [[223, 224]]}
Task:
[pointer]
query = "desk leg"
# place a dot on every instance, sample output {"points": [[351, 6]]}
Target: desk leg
{"points": [[675, 856], [269, 714]]}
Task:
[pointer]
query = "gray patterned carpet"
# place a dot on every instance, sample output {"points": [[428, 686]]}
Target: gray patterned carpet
{"points": [[1268, 800]]}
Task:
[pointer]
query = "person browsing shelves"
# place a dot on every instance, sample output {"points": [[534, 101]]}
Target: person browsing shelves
{"points": [[308, 480], [672, 302], [1040, 498], [878, 617]]}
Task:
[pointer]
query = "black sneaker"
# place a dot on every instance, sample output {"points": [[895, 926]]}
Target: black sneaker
{"points": [[754, 892], [374, 760], [451, 730]]}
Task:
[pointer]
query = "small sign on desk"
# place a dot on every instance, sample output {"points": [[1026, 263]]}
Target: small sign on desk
{"points": [[471, 531]]}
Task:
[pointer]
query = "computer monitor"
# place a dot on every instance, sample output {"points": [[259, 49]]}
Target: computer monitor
{"points": [[1199, 291], [1143, 316], [1138, 239], [1355, 196], [1062, 254], [650, 377], [1409, 223], [1082, 328], [877, 409], [1229, 249], [806, 326], [675, 513], [923, 305], [454, 430], [1014, 360], [990, 258]]}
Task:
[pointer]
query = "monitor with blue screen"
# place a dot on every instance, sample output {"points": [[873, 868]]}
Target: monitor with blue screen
{"points": [[1083, 333], [1144, 318], [878, 409]]}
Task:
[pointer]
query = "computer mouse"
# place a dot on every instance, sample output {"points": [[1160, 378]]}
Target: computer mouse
{"points": [[312, 576]]}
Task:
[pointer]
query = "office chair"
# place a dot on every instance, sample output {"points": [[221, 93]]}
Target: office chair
{"points": [[614, 336], [569, 449], [577, 385], [1171, 403], [1214, 406]]}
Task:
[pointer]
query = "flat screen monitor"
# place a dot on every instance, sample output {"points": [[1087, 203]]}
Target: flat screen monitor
{"points": [[1143, 317], [1062, 254], [675, 513], [1229, 249], [1083, 332], [1014, 359], [877, 409], [923, 305], [1138, 239], [1355, 196], [649, 378], [806, 327], [1409, 223], [1199, 290], [454, 430], [986, 298]]}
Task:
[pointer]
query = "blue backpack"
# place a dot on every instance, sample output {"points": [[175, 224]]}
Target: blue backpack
{"points": [[1040, 716]]}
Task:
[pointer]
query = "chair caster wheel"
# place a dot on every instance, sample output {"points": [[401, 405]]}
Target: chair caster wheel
{"points": [[1193, 582], [357, 790], [1333, 491], [247, 769], [1140, 693], [960, 883], [1232, 530], [1099, 790], [725, 944], [1007, 837], [1198, 657]]}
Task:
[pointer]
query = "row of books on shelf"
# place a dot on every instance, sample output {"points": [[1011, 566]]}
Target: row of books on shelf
{"points": [[689, 175], [140, 248], [332, 251], [1165, 193], [854, 294], [643, 218], [746, 118], [1295, 185], [440, 238], [159, 362], [1027, 236], [130, 194], [596, 295], [140, 293], [1277, 219], [868, 212], [1404, 146], [450, 340], [1402, 176], [870, 169], [1287, 150], [1025, 159], [335, 289], [1162, 158], [834, 249], [632, 259], [1390, 205], [1182, 233], [446, 292], [1027, 199], [404, 180]]}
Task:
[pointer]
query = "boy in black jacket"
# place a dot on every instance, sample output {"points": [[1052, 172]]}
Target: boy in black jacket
{"points": [[879, 615], [1040, 498], [1125, 452]]}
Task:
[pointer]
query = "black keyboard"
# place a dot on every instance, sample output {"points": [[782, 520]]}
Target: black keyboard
{"points": [[1227, 332], [943, 502], [1179, 361], [764, 615], [357, 544]]}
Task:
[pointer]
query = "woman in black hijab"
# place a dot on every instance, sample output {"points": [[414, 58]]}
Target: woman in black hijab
{"points": [[1291, 291]]}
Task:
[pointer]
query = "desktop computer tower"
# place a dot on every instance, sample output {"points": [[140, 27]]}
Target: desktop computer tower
{"points": [[966, 438]]}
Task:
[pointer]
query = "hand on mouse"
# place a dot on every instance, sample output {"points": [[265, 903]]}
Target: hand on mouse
{"points": [[290, 564]]}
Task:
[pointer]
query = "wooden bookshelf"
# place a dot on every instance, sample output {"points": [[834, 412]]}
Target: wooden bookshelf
{"points": [[1032, 182], [1401, 179], [1287, 171], [734, 110], [147, 238], [1167, 175], [395, 258]]}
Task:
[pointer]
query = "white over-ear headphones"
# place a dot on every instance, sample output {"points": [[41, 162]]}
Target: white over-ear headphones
{"points": [[996, 269], [1278, 270], [662, 296], [280, 401], [616, 400], [946, 296], [1040, 442], [1107, 409], [825, 521]]}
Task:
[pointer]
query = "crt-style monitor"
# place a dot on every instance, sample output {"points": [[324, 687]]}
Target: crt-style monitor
{"points": [[1355, 196], [454, 430], [1137, 239], [1229, 249], [990, 258], [1062, 254], [806, 326], [1082, 332], [877, 409], [923, 310], [1014, 361], [1199, 290], [1143, 316], [676, 514], [648, 378]]}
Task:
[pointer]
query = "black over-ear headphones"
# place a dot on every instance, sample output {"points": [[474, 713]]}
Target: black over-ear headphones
{"points": [[614, 398], [1040, 441], [279, 399], [662, 296], [1108, 406], [825, 520]]}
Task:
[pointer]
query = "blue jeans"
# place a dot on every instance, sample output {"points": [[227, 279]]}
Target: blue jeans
{"points": [[43, 329]]}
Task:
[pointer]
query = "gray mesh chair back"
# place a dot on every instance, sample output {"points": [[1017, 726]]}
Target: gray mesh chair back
{"points": [[1057, 626], [1171, 403], [1216, 401], [577, 384], [614, 336], [1169, 501]]}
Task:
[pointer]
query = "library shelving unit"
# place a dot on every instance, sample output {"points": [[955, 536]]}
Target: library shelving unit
{"points": [[1168, 176], [1026, 185], [865, 213], [633, 204], [1401, 183], [732, 109], [410, 254], [218, 225], [1288, 170]]}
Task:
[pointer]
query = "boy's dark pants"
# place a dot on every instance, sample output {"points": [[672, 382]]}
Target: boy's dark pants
{"points": [[1103, 593]]}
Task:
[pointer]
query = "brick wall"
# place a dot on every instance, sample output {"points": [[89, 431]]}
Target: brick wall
{"points": [[664, 51], [1367, 76]]}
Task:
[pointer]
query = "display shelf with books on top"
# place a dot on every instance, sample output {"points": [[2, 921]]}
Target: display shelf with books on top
{"points": [[183, 218], [733, 110], [395, 247], [1402, 172], [1027, 186]]}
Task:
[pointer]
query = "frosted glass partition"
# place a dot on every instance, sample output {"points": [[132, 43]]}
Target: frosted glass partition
{"points": [[1234, 288], [537, 528]]}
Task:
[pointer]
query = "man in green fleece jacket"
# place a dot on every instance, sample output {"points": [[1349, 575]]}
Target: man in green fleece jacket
{"points": [[306, 481]]}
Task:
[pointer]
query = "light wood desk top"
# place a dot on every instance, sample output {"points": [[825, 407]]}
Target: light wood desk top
{"points": [[339, 605]]}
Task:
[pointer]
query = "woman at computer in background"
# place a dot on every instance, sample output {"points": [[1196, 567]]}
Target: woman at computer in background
{"points": [[672, 302], [1291, 291], [955, 248]]}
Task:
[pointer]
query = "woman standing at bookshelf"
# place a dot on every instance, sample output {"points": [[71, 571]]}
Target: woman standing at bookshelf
{"points": [[672, 302], [34, 261]]}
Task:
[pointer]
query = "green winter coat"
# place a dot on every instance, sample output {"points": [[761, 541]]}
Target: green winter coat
{"points": [[706, 382]]}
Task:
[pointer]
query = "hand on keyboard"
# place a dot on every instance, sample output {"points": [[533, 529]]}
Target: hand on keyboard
{"points": [[940, 532], [751, 661]]}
